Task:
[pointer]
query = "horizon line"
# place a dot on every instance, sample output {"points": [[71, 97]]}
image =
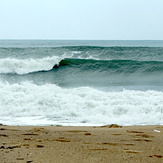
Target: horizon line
{"points": [[88, 39]]}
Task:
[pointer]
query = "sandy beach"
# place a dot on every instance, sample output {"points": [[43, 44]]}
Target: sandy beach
{"points": [[111, 143]]}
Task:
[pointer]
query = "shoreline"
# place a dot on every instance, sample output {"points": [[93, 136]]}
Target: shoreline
{"points": [[110, 143]]}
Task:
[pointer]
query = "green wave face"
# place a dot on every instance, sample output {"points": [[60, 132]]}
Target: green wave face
{"points": [[113, 66]]}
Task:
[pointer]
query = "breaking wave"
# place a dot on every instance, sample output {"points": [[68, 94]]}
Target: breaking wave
{"points": [[25, 66], [83, 105]]}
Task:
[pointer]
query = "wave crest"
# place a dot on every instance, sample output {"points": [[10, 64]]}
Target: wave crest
{"points": [[25, 66]]}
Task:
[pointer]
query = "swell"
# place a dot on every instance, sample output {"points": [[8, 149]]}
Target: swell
{"points": [[94, 52]]}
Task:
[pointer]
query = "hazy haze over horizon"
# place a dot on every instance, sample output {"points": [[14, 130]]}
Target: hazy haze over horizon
{"points": [[81, 19]]}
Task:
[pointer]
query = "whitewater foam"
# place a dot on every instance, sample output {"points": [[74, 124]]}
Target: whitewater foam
{"points": [[25, 66], [30, 104]]}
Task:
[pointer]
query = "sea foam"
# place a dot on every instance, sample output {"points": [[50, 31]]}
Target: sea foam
{"points": [[25, 66], [30, 104]]}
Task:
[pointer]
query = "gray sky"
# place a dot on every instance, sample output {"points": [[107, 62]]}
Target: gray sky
{"points": [[81, 19]]}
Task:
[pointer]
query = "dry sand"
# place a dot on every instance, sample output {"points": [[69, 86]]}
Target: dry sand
{"points": [[57, 144]]}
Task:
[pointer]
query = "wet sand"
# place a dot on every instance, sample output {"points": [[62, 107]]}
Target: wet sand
{"points": [[57, 144]]}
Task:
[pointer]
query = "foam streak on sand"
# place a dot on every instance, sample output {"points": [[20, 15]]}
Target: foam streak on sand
{"points": [[77, 106]]}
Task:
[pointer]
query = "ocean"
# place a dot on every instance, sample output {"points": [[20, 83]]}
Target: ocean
{"points": [[81, 83]]}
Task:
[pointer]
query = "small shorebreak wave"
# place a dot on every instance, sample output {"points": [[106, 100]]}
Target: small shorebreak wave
{"points": [[78, 105]]}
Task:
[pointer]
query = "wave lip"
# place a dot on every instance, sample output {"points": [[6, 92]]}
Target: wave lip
{"points": [[25, 66]]}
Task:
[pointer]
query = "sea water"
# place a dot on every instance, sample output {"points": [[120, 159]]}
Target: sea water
{"points": [[61, 82]]}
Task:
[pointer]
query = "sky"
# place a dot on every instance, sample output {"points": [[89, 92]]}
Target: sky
{"points": [[82, 19]]}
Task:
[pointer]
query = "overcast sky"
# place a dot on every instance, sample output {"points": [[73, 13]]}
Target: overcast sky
{"points": [[81, 19]]}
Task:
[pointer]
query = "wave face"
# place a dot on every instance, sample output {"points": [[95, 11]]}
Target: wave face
{"points": [[114, 66], [93, 82]]}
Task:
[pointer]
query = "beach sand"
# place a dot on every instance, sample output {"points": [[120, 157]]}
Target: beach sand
{"points": [[57, 144]]}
